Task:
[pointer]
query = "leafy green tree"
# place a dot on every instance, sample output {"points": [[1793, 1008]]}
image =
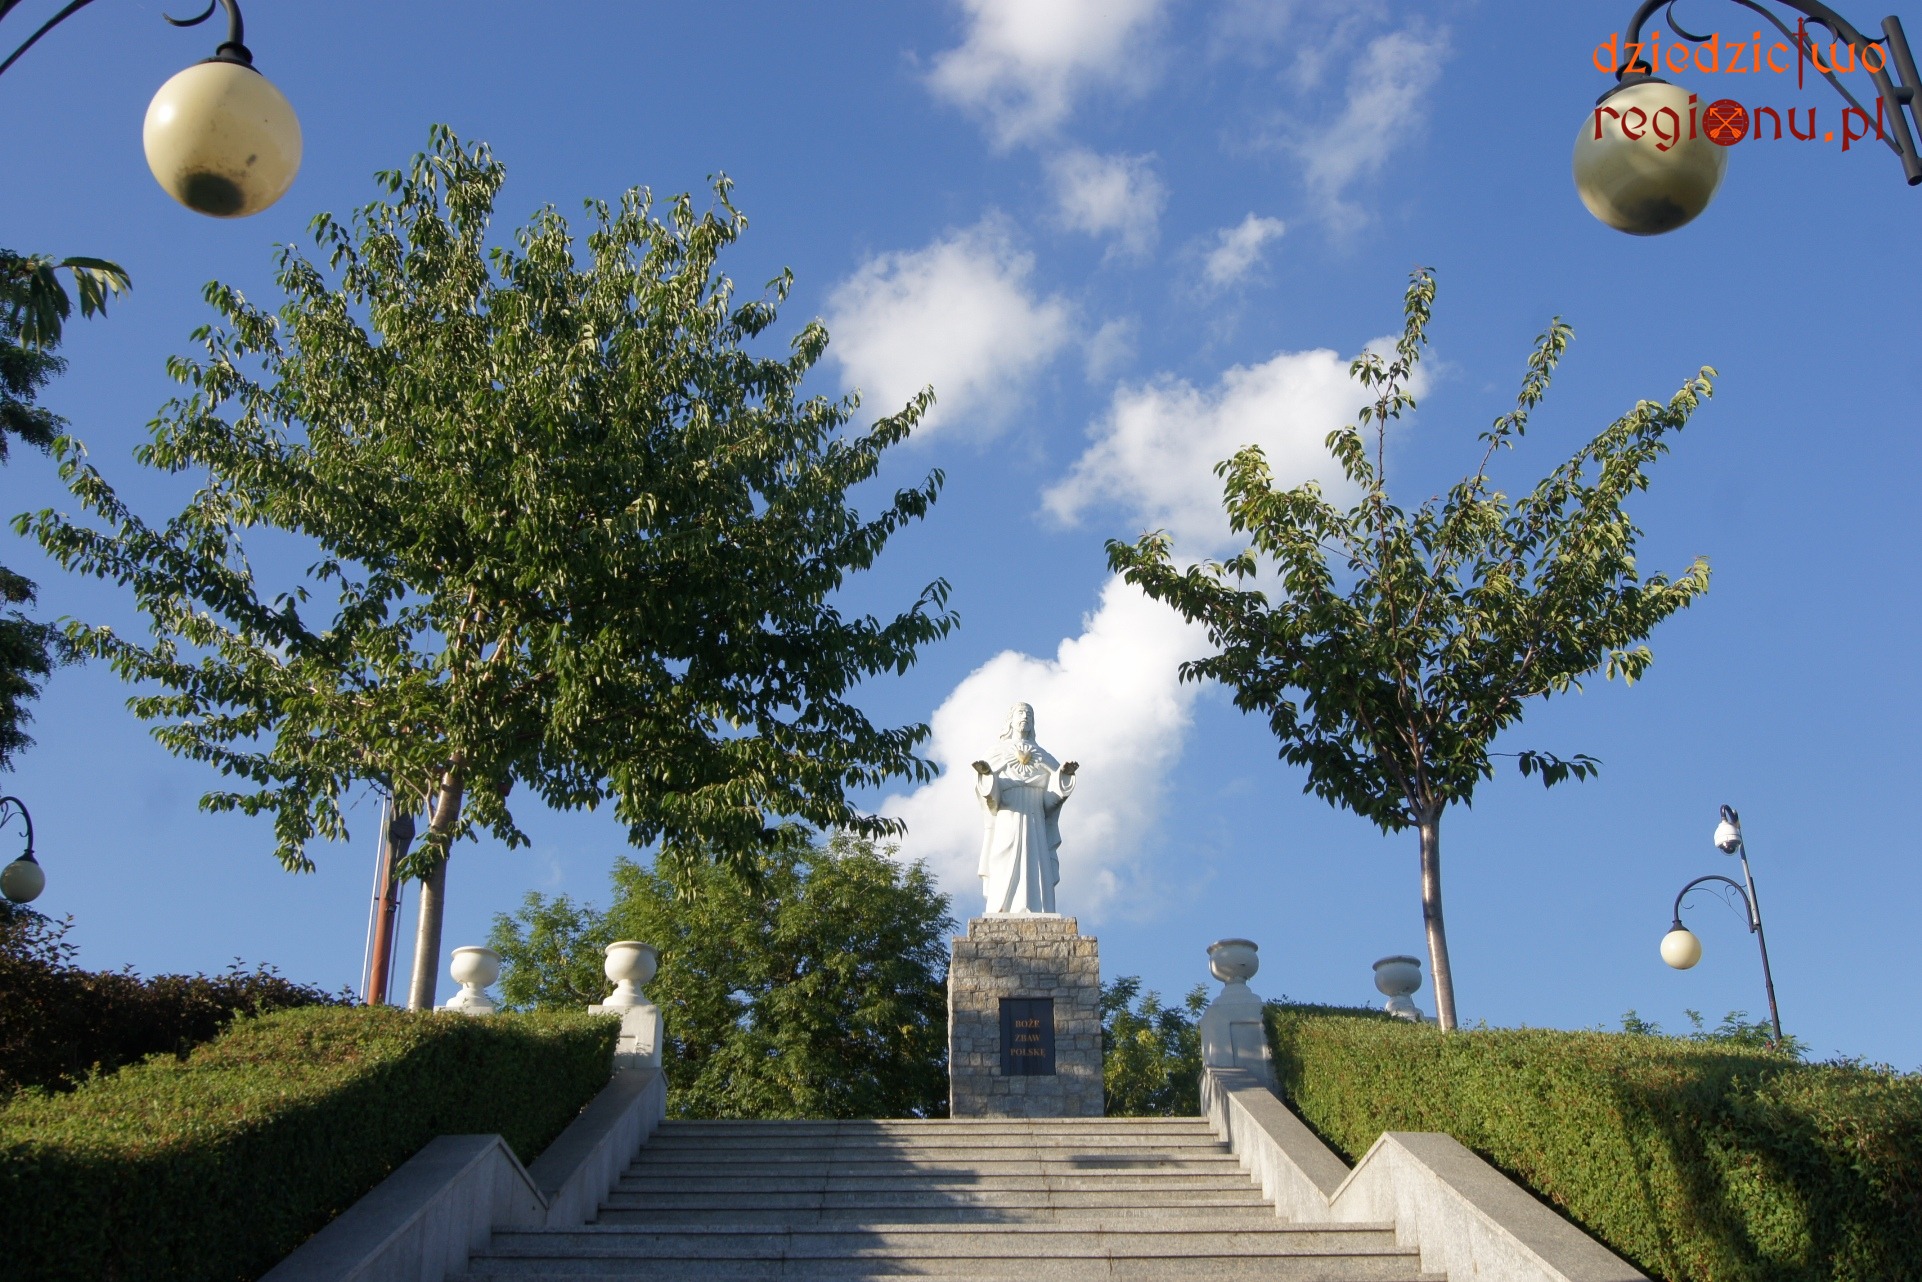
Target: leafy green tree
{"points": [[33, 307], [1150, 1053], [814, 988], [1401, 643], [567, 531]]}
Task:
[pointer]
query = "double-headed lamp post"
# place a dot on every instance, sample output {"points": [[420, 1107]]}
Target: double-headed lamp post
{"points": [[1649, 156], [1681, 949], [219, 137], [22, 880]]}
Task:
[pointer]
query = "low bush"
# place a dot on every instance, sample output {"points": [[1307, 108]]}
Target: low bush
{"points": [[1150, 1052], [59, 1023], [1695, 1159], [211, 1168]]}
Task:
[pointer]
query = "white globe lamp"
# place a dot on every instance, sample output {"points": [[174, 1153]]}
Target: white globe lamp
{"points": [[1680, 947], [22, 880], [1643, 162], [219, 137]]}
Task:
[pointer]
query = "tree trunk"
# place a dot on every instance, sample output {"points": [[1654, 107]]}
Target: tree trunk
{"points": [[433, 900], [1431, 916], [433, 904]]}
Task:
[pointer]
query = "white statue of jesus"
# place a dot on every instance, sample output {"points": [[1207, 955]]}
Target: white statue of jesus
{"points": [[1022, 787]]}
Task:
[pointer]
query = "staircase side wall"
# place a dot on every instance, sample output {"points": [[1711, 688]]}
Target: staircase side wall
{"points": [[1467, 1218], [422, 1222]]}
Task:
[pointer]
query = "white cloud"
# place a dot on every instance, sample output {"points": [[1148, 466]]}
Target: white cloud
{"points": [[959, 314], [1110, 347], [1388, 88], [1240, 249], [1117, 196], [1155, 450], [1022, 62], [1110, 698]]}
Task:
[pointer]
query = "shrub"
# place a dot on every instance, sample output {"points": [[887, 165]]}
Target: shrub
{"points": [[58, 1022], [1150, 1053], [814, 989], [213, 1167], [1696, 1160]]}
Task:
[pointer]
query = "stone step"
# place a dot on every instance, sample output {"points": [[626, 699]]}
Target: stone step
{"points": [[1048, 1151], [965, 1171], [1114, 1181], [958, 1150], [1231, 1269], [1305, 1268], [990, 1200], [734, 1159], [948, 1241], [871, 1126], [1146, 1197], [994, 1162], [946, 1142], [1081, 1217]]}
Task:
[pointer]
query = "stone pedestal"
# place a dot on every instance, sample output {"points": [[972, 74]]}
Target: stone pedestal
{"points": [[1024, 1020]]}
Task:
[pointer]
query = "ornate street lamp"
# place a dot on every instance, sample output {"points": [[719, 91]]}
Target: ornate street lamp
{"points": [[1681, 949], [1649, 156], [219, 137], [22, 880]]}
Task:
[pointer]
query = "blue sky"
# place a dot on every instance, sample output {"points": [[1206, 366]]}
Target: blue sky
{"points": [[1122, 238]]}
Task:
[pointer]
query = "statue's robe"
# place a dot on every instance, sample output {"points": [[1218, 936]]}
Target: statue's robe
{"points": [[1020, 861]]}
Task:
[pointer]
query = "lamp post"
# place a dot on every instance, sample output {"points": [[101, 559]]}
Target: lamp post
{"points": [[219, 138], [1649, 157], [1681, 949], [22, 880]]}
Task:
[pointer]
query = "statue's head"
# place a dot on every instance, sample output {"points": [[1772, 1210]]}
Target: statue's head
{"points": [[1020, 722]]}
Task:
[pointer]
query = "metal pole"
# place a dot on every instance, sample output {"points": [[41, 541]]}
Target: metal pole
{"points": [[396, 835], [1761, 940], [374, 922]]}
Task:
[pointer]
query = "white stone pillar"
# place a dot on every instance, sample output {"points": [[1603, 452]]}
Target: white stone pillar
{"points": [[1233, 1033], [629, 965]]}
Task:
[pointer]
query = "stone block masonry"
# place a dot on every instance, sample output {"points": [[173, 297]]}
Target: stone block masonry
{"points": [[1033, 962]]}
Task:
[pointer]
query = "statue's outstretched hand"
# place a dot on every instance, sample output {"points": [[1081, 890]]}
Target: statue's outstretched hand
{"points": [[983, 768], [1067, 771]]}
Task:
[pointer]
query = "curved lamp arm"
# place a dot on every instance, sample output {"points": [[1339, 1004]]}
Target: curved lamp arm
{"points": [[232, 49], [1753, 921], [1907, 93], [14, 803]]}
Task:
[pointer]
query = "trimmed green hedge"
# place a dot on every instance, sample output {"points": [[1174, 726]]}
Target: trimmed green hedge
{"points": [[215, 1166], [1694, 1161]]}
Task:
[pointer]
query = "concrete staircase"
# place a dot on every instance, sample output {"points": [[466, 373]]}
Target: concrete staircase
{"points": [[1031, 1200]]}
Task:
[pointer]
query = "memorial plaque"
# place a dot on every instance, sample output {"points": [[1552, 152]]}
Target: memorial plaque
{"points": [[1027, 1037]]}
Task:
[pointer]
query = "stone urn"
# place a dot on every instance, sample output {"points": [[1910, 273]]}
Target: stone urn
{"points": [[629, 965], [1232, 1032], [1396, 978], [474, 968], [1233, 961]]}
